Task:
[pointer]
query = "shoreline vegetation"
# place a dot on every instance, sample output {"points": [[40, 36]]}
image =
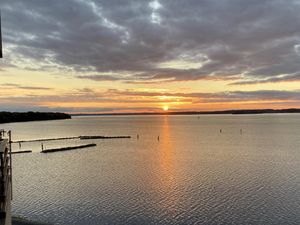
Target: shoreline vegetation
{"points": [[11, 117], [232, 112]]}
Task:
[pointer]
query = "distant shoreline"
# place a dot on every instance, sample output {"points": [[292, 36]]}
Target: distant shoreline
{"points": [[224, 112], [12, 117]]}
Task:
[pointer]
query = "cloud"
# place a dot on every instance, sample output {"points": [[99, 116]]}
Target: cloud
{"points": [[245, 40], [13, 108], [100, 77], [14, 86], [130, 100], [285, 78]]}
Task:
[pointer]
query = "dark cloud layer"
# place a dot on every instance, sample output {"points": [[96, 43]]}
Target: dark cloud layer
{"points": [[250, 40]]}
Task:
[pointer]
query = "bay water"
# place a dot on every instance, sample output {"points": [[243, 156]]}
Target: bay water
{"points": [[211, 169]]}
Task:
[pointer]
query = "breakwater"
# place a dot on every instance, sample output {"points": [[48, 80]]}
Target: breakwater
{"points": [[67, 148], [21, 152], [68, 138], [103, 137], [47, 139]]}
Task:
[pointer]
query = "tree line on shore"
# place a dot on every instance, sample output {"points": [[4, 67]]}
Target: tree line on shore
{"points": [[8, 117]]}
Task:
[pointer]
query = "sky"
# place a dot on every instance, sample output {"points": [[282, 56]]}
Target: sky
{"points": [[109, 56]]}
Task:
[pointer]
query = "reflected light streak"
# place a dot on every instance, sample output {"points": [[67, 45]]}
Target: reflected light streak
{"points": [[168, 170]]}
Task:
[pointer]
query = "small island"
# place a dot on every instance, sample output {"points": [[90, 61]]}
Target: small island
{"points": [[10, 117]]}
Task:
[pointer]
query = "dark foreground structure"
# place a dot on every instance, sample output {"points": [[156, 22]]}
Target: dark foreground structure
{"points": [[5, 178], [9, 117]]}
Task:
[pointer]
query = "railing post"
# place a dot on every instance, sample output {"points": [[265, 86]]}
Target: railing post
{"points": [[6, 178]]}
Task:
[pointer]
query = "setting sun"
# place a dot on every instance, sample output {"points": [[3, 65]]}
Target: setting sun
{"points": [[166, 108]]}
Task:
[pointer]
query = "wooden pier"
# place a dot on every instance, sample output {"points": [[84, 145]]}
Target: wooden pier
{"points": [[67, 148], [103, 137], [47, 139], [5, 178], [69, 138], [21, 152]]}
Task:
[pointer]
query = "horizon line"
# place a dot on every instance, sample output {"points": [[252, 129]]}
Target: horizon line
{"points": [[231, 111]]}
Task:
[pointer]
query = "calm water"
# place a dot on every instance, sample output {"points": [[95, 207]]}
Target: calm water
{"points": [[193, 175]]}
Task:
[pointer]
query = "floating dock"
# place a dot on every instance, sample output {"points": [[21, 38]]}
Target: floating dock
{"points": [[21, 152], [103, 137], [67, 148]]}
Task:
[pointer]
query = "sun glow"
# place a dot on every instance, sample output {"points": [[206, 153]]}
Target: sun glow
{"points": [[166, 108]]}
